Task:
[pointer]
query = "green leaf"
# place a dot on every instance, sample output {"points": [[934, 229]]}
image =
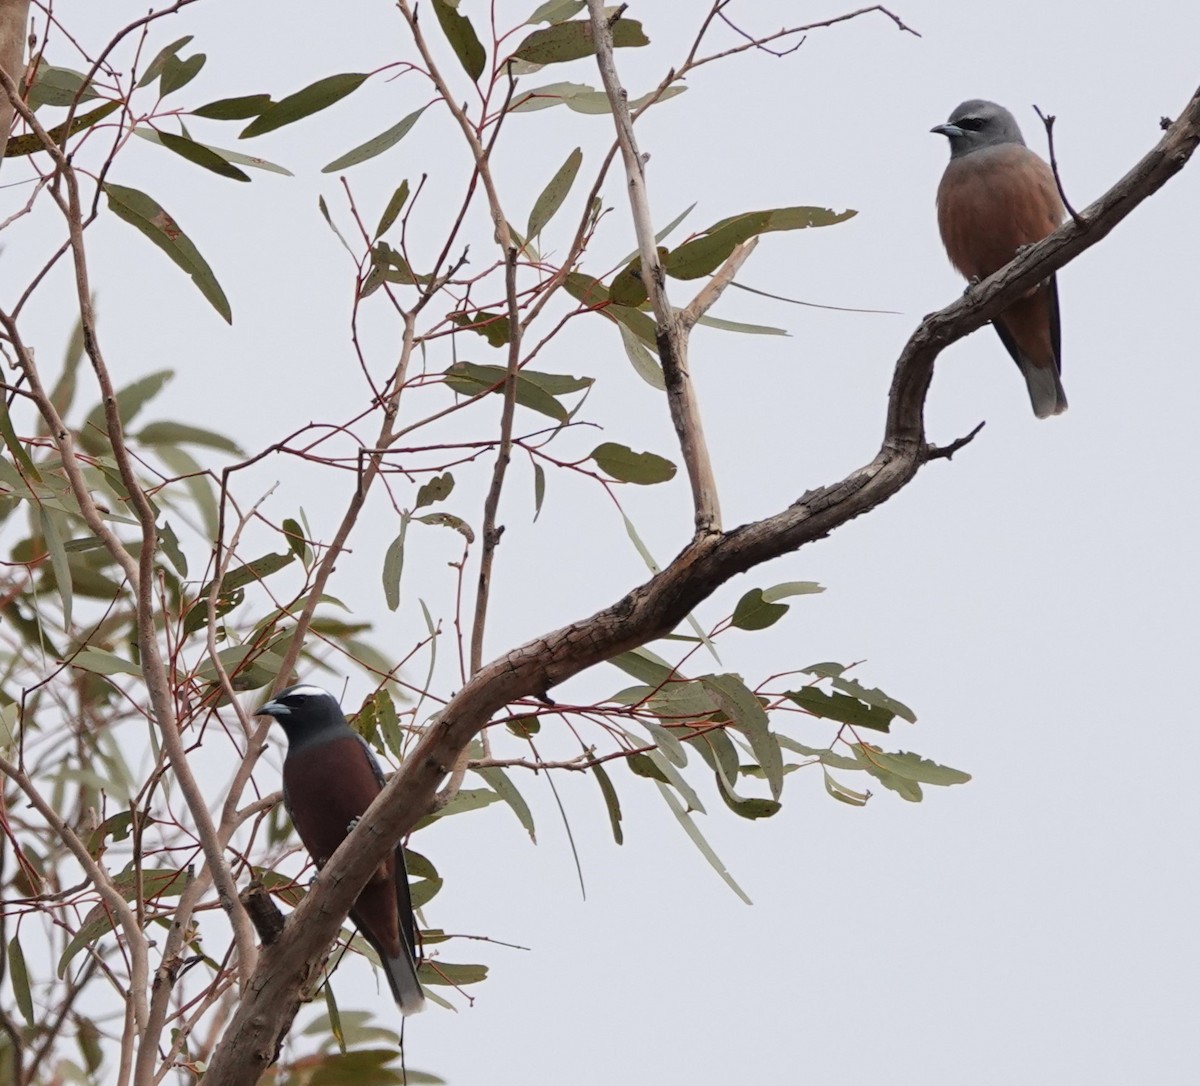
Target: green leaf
{"points": [[223, 153], [180, 433], [539, 489], [155, 68], [556, 11], [296, 540], [875, 697], [449, 520], [534, 390], [704, 254], [241, 108], [645, 364], [552, 196], [179, 73], [753, 612], [697, 838], [437, 489], [492, 326], [18, 977], [573, 40], [237, 578], [791, 588], [822, 754], [142, 212], [644, 666], [392, 212], [628, 288], [582, 98], [201, 156], [845, 795], [462, 37], [376, 145], [14, 446], [611, 802], [58, 87], [737, 326], [393, 566], [169, 541], [305, 102], [524, 727], [58, 562], [746, 713], [93, 435], [31, 143], [507, 791], [627, 466], [441, 972], [842, 708], [911, 767]]}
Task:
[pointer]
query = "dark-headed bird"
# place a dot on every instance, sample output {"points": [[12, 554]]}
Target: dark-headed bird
{"points": [[997, 196], [330, 777]]}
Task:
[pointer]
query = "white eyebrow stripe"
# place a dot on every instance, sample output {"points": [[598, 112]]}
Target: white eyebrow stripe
{"points": [[308, 691]]}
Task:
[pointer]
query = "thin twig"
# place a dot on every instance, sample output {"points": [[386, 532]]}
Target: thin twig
{"points": [[1048, 121]]}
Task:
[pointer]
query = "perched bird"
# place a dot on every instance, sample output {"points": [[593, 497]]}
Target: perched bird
{"points": [[995, 197], [330, 778]]}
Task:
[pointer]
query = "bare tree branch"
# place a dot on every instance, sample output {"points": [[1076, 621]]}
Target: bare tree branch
{"points": [[672, 336]]}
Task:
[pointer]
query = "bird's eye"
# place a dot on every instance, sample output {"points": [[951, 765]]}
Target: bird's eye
{"points": [[971, 124]]}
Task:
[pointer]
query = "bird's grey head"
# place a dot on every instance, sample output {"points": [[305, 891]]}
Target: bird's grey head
{"points": [[977, 124], [305, 712]]}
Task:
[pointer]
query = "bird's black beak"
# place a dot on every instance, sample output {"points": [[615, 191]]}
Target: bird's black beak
{"points": [[947, 130], [273, 708]]}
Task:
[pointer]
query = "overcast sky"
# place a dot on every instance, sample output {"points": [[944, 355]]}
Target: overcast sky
{"points": [[1034, 600]]}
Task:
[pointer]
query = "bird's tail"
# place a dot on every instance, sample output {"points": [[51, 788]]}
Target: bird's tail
{"points": [[402, 978], [1045, 388]]}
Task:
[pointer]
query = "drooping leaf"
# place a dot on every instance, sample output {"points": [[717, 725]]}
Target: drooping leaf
{"points": [[376, 145], [13, 444], [142, 212], [704, 254], [169, 542], [644, 363], [507, 791], [539, 489], [611, 802], [910, 767], [201, 156], [552, 196], [627, 466], [393, 566], [746, 713], [58, 562], [304, 103], [18, 977], [462, 37], [573, 40], [846, 795], [241, 108], [259, 569], [697, 838], [441, 972], [738, 326], [449, 520]]}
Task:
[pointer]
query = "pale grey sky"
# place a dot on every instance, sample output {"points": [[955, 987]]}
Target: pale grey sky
{"points": [[1033, 600]]}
